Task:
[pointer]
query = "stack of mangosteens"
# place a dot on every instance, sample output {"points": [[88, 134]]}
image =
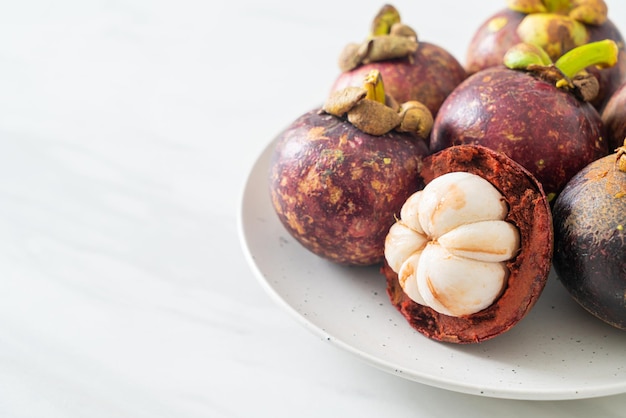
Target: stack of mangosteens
{"points": [[463, 188], [546, 87], [342, 172]]}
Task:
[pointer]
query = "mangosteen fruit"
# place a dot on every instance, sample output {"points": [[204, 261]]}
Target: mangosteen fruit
{"points": [[412, 69], [614, 118], [557, 27], [492, 39], [535, 111], [339, 174], [470, 253], [590, 238]]}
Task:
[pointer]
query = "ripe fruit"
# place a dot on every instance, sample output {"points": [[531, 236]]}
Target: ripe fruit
{"points": [[557, 27], [412, 70], [535, 112], [340, 174], [450, 245], [590, 238], [525, 211]]}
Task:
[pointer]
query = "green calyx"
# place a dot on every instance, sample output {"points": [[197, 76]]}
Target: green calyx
{"points": [[602, 54], [541, 29], [591, 12], [569, 70], [558, 25], [524, 56]]}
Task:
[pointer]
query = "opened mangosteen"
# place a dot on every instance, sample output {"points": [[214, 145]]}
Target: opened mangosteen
{"points": [[557, 27], [412, 69], [470, 253], [614, 118], [535, 111], [341, 173], [590, 238]]}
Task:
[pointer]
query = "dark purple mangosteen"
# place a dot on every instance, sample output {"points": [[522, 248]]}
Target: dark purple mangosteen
{"points": [[536, 112], [590, 238], [340, 174]]}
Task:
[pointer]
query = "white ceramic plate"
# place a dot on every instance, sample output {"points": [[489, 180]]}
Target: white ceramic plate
{"points": [[557, 352]]}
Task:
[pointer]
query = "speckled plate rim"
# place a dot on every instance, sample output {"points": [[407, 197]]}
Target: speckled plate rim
{"points": [[557, 352]]}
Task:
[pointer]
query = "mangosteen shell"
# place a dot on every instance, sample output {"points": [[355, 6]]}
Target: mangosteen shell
{"points": [[529, 211], [428, 76], [337, 189], [547, 130], [590, 240]]}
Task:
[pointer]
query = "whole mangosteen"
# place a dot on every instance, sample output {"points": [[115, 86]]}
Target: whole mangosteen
{"points": [[340, 174], [470, 253], [535, 111], [412, 69], [557, 27], [590, 238]]}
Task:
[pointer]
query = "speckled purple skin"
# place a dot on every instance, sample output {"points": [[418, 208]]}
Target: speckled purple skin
{"points": [[492, 39], [337, 189], [548, 131], [590, 240]]}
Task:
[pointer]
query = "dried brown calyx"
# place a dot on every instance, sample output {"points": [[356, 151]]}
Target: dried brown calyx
{"points": [[389, 39], [567, 72], [372, 111]]}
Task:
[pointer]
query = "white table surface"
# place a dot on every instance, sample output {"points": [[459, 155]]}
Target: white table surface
{"points": [[127, 129]]}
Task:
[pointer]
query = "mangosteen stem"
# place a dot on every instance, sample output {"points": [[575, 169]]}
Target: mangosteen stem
{"points": [[374, 86], [529, 57], [602, 54], [384, 20], [388, 39]]}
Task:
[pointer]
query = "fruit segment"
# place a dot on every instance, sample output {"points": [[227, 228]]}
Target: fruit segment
{"points": [[450, 244]]}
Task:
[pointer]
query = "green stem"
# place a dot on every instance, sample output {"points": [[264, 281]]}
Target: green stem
{"points": [[384, 20], [373, 84], [602, 54]]}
